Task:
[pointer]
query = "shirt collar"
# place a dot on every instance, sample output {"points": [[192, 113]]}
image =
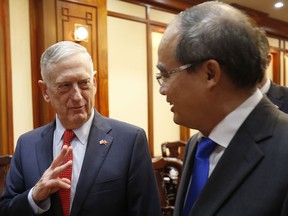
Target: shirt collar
{"points": [[223, 133], [265, 88], [81, 133]]}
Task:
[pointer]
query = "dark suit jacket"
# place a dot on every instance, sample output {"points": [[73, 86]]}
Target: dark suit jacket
{"points": [[251, 178], [116, 179], [279, 96]]}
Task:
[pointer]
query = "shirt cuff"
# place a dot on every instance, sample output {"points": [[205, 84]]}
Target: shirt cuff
{"points": [[42, 207]]}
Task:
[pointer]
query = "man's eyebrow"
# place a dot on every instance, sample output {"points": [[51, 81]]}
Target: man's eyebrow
{"points": [[161, 67], [61, 82], [85, 79], [66, 81]]}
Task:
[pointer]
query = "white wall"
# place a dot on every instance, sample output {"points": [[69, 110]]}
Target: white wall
{"points": [[21, 68]]}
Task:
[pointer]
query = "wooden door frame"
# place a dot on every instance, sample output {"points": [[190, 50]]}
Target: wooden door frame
{"points": [[6, 109]]}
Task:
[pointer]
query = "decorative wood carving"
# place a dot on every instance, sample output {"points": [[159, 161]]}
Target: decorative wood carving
{"points": [[69, 14]]}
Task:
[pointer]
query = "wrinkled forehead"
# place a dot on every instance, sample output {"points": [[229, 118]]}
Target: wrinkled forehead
{"points": [[70, 61], [74, 65]]}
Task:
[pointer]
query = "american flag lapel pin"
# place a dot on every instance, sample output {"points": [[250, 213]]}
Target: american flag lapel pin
{"points": [[103, 142]]}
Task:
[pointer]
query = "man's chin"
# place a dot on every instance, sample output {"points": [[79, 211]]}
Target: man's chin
{"points": [[176, 120], [180, 121], [79, 118]]}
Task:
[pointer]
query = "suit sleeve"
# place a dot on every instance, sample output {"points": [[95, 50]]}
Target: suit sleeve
{"points": [[142, 190], [14, 201]]}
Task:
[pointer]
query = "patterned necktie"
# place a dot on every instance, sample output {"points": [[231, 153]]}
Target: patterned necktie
{"points": [[65, 193], [200, 172]]}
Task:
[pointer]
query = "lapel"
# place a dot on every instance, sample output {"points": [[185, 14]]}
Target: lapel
{"points": [[94, 157], [241, 156], [239, 159], [186, 174], [275, 95], [44, 154], [44, 149]]}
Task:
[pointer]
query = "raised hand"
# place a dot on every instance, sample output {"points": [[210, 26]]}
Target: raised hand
{"points": [[50, 182]]}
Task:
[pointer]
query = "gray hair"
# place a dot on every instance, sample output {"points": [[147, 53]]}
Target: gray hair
{"points": [[59, 51], [215, 30]]}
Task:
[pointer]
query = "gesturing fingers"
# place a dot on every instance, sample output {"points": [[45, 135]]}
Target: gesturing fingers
{"points": [[44, 188], [64, 153], [50, 181]]}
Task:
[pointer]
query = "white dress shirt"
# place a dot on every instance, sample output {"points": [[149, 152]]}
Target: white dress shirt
{"points": [[265, 88]]}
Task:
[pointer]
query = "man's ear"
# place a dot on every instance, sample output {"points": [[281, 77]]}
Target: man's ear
{"points": [[43, 88], [211, 75], [94, 82], [94, 78], [213, 72], [268, 60]]}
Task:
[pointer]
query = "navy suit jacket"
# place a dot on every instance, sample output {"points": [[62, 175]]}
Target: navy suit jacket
{"points": [[279, 96], [251, 178], [116, 179]]}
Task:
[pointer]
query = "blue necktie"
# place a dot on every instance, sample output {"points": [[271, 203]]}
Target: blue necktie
{"points": [[200, 172]]}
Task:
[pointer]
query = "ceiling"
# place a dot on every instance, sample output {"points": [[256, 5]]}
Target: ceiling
{"points": [[274, 21], [265, 6]]}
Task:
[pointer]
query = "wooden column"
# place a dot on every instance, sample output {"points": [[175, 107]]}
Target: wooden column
{"points": [[6, 115]]}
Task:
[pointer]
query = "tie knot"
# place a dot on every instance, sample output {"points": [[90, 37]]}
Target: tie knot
{"points": [[205, 147], [68, 137]]}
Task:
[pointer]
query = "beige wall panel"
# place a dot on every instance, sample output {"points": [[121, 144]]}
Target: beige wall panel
{"points": [[286, 69], [164, 127], [161, 16], [21, 68], [126, 8], [127, 69], [192, 132], [273, 42]]}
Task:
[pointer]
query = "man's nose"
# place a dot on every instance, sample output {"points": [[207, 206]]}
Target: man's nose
{"points": [[76, 92], [162, 90]]}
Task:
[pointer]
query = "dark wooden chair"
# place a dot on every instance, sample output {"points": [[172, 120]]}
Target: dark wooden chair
{"points": [[4, 166], [168, 173], [173, 149]]}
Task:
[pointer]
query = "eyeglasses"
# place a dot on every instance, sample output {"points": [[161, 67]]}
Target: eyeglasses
{"points": [[162, 77]]}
